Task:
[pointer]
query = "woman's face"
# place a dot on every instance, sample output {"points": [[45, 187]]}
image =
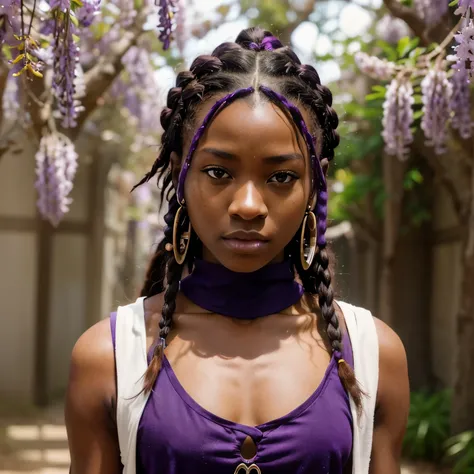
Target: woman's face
{"points": [[248, 185]]}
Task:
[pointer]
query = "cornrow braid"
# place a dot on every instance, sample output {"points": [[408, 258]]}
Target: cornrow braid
{"points": [[230, 67]]}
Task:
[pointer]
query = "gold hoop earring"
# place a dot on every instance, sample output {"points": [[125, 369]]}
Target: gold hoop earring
{"points": [[181, 242], [307, 252]]}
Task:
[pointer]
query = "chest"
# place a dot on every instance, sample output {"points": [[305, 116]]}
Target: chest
{"points": [[249, 376], [178, 432]]}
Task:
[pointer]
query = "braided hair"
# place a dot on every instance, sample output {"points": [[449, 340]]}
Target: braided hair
{"points": [[255, 58]]}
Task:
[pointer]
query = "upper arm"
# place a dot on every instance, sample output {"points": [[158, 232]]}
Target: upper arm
{"points": [[393, 403], [91, 430]]}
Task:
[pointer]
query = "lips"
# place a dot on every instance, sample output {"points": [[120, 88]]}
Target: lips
{"points": [[249, 235], [242, 241]]}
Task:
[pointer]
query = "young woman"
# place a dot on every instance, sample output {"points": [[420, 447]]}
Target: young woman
{"points": [[247, 364]]}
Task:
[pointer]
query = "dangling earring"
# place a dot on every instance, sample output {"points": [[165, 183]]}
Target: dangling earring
{"points": [[181, 241], [308, 251]]}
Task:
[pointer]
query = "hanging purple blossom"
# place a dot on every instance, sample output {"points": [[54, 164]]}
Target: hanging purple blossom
{"points": [[141, 96], [461, 104], [436, 93], [463, 7], [181, 29], [391, 29], [398, 118], [127, 12], [62, 5], [167, 10], [11, 100], [66, 57], [88, 12], [9, 21], [431, 11], [56, 165], [465, 49], [374, 67]]}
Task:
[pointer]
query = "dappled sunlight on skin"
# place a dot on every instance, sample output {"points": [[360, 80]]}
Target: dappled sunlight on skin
{"points": [[33, 446]]}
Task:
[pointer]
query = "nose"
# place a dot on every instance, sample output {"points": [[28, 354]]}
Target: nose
{"points": [[248, 203]]}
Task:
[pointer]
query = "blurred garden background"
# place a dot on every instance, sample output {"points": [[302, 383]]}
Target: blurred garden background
{"points": [[82, 84]]}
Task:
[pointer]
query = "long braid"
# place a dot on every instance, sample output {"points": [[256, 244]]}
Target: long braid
{"points": [[232, 66], [155, 274], [173, 276]]}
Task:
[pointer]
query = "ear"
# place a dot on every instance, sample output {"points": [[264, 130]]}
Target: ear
{"points": [[175, 168]]}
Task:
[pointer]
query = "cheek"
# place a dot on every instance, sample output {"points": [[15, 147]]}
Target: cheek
{"points": [[203, 207]]}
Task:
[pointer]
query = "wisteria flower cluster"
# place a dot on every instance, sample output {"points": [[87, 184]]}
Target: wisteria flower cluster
{"points": [[374, 67], [461, 104], [391, 29], [181, 26], [66, 58], [141, 96], [9, 20], [56, 165], [465, 49], [464, 6], [445, 94], [436, 96], [431, 11], [88, 12], [398, 118], [167, 12]]}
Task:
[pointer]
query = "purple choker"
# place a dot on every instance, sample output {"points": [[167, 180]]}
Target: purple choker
{"points": [[242, 295]]}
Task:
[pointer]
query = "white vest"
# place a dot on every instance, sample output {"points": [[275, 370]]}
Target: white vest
{"points": [[131, 363]]}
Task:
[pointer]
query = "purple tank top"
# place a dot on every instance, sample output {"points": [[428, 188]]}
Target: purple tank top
{"points": [[178, 436]]}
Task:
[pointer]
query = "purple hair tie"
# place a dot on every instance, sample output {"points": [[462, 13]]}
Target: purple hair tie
{"points": [[319, 180], [269, 43], [221, 103]]}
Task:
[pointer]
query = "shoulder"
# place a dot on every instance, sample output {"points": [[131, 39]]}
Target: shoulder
{"points": [[93, 361], [94, 347], [91, 388], [393, 386], [392, 355]]}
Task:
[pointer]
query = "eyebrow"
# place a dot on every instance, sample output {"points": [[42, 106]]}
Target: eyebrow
{"points": [[269, 159]]}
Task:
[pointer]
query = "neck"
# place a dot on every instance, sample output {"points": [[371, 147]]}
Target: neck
{"points": [[266, 291]]}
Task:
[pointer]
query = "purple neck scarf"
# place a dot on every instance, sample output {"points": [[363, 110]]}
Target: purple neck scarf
{"points": [[269, 290]]}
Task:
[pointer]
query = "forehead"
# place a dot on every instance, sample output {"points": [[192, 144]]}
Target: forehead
{"points": [[252, 122]]}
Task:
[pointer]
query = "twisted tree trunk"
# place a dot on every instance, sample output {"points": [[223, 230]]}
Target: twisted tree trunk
{"points": [[462, 418], [393, 172]]}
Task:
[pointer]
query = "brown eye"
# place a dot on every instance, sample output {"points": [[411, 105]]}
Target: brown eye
{"points": [[216, 173], [283, 177]]}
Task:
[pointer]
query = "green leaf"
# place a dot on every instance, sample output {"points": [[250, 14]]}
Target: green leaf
{"points": [[378, 88], [418, 114], [403, 46], [374, 96], [74, 20], [454, 2]]}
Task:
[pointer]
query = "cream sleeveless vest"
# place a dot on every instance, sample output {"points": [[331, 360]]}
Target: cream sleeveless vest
{"points": [[131, 363]]}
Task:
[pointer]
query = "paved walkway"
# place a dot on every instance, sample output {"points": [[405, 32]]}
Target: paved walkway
{"points": [[36, 443]]}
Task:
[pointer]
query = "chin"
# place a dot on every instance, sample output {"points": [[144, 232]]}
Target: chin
{"points": [[242, 263]]}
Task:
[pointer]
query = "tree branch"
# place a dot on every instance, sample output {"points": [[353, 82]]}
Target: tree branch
{"points": [[417, 25], [301, 16], [100, 77], [3, 83], [97, 80]]}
